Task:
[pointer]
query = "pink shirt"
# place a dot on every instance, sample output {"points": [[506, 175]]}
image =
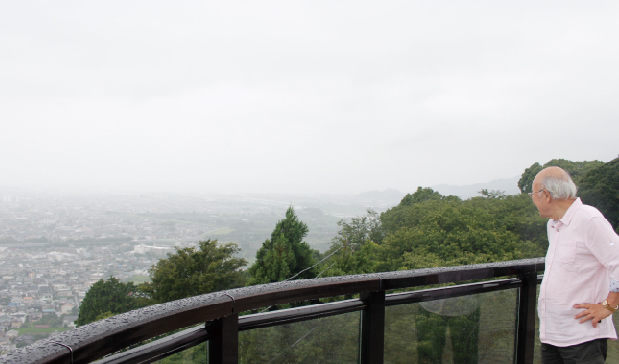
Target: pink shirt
{"points": [[583, 253]]}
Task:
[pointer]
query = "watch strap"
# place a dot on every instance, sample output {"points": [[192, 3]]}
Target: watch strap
{"points": [[609, 307]]}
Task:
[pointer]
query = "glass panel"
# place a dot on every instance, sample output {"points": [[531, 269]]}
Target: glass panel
{"points": [[196, 354], [472, 329], [537, 356], [332, 339], [613, 345]]}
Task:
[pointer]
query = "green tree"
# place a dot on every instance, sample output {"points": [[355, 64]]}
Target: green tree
{"points": [[447, 233], [191, 272], [276, 261], [442, 230], [599, 187], [360, 230], [285, 254], [422, 194], [517, 214], [402, 215], [109, 296], [575, 169], [525, 183], [347, 260], [352, 250], [493, 194]]}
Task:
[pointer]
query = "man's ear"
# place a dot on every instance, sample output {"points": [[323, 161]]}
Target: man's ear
{"points": [[547, 196]]}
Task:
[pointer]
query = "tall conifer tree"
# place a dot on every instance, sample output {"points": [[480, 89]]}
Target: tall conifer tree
{"points": [[285, 254]]}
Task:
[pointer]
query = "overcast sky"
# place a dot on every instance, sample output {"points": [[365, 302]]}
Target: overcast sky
{"points": [[301, 96]]}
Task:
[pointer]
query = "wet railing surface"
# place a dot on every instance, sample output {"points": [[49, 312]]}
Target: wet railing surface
{"points": [[219, 312]]}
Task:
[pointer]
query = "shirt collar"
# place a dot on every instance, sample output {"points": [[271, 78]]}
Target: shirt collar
{"points": [[571, 211]]}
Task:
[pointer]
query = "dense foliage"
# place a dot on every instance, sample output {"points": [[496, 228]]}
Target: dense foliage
{"points": [[285, 254], [191, 272], [353, 249], [427, 229], [599, 187], [448, 231], [107, 298]]}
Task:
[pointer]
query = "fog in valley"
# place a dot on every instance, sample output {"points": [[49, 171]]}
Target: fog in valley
{"points": [[169, 220]]}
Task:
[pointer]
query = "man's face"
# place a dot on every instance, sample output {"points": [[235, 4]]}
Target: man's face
{"points": [[540, 199]]}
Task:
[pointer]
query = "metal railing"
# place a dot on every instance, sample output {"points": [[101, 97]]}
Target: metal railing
{"points": [[220, 313]]}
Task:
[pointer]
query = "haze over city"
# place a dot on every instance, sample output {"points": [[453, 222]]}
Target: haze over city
{"points": [[299, 96]]}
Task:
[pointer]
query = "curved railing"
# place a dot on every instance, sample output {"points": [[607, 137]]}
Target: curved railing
{"points": [[219, 310]]}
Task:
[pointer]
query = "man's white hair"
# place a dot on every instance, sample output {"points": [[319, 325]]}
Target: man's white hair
{"points": [[560, 188]]}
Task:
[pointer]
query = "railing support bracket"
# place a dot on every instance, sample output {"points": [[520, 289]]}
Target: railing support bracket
{"points": [[223, 348], [525, 336], [372, 347]]}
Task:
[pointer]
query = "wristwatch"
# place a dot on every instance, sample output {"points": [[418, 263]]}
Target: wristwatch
{"points": [[609, 307]]}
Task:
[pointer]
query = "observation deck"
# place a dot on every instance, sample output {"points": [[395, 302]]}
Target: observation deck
{"points": [[387, 323]]}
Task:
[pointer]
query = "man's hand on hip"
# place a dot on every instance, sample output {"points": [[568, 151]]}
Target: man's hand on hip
{"points": [[595, 312]]}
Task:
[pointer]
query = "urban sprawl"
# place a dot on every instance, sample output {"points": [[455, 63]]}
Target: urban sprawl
{"points": [[54, 247]]}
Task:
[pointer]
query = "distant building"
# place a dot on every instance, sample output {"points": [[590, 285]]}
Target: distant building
{"points": [[9, 198], [12, 334], [35, 316], [60, 257], [66, 308], [158, 251]]}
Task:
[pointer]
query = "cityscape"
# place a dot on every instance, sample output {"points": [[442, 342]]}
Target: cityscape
{"points": [[53, 247]]}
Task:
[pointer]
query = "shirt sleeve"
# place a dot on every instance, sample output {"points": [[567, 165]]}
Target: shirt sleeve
{"points": [[604, 244], [613, 286]]}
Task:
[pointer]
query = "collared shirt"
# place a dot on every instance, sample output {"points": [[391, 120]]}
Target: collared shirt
{"points": [[583, 254]]}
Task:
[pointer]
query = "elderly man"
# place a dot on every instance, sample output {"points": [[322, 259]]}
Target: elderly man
{"points": [[579, 291]]}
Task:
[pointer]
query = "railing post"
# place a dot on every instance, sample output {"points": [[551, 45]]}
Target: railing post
{"points": [[223, 348], [526, 319], [372, 347]]}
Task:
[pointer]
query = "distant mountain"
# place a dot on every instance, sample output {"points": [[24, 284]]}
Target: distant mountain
{"points": [[392, 197], [507, 185]]}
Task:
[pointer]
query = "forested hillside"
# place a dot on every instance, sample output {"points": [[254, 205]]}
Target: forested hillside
{"points": [[430, 230]]}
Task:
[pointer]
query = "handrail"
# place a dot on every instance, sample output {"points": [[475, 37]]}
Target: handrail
{"points": [[95, 340], [194, 336]]}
